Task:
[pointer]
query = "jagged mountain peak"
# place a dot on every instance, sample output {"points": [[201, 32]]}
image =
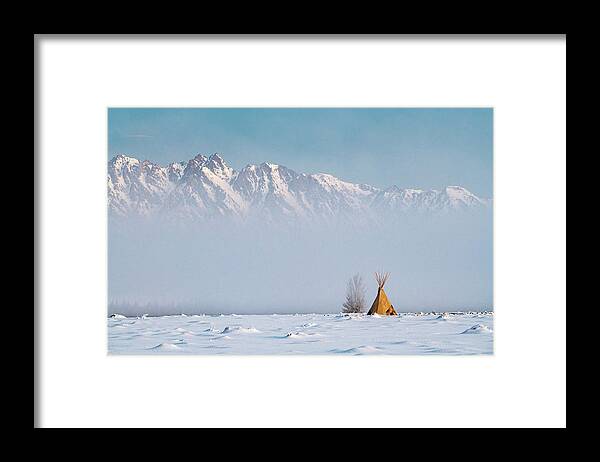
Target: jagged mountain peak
{"points": [[269, 165], [206, 187], [121, 159], [216, 157], [198, 159]]}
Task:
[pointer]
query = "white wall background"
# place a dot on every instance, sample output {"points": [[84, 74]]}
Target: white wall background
{"points": [[522, 384]]}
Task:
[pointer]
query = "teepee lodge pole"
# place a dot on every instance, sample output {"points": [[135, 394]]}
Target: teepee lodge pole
{"points": [[381, 304]]}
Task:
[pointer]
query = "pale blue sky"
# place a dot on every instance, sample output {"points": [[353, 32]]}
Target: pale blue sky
{"points": [[421, 148]]}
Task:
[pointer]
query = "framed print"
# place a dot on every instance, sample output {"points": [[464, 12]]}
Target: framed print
{"points": [[252, 231]]}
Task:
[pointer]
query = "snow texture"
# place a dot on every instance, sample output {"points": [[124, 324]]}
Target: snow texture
{"points": [[329, 334]]}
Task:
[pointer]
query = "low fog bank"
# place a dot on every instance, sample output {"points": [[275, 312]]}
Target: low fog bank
{"points": [[437, 263]]}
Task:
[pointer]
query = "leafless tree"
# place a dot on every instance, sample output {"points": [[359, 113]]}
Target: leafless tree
{"points": [[355, 295]]}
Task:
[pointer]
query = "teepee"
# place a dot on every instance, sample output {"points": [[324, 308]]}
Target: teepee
{"points": [[381, 304]]}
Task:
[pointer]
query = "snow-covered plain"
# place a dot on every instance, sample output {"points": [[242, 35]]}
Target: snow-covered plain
{"points": [[454, 333]]}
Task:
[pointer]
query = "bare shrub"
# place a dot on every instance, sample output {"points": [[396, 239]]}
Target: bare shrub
{"points": [[355, 296]]}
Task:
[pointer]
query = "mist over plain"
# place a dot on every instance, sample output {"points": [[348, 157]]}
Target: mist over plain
{"points": [[437, 262]]}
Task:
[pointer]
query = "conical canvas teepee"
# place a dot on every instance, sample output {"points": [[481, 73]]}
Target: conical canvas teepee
{"points": [[381, 304]]}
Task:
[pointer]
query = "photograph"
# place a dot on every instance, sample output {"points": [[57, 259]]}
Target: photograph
{"points": [[300, 231]]}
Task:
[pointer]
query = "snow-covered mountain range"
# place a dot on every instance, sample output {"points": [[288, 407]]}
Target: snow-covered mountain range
{"points": [[205, 188]]}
